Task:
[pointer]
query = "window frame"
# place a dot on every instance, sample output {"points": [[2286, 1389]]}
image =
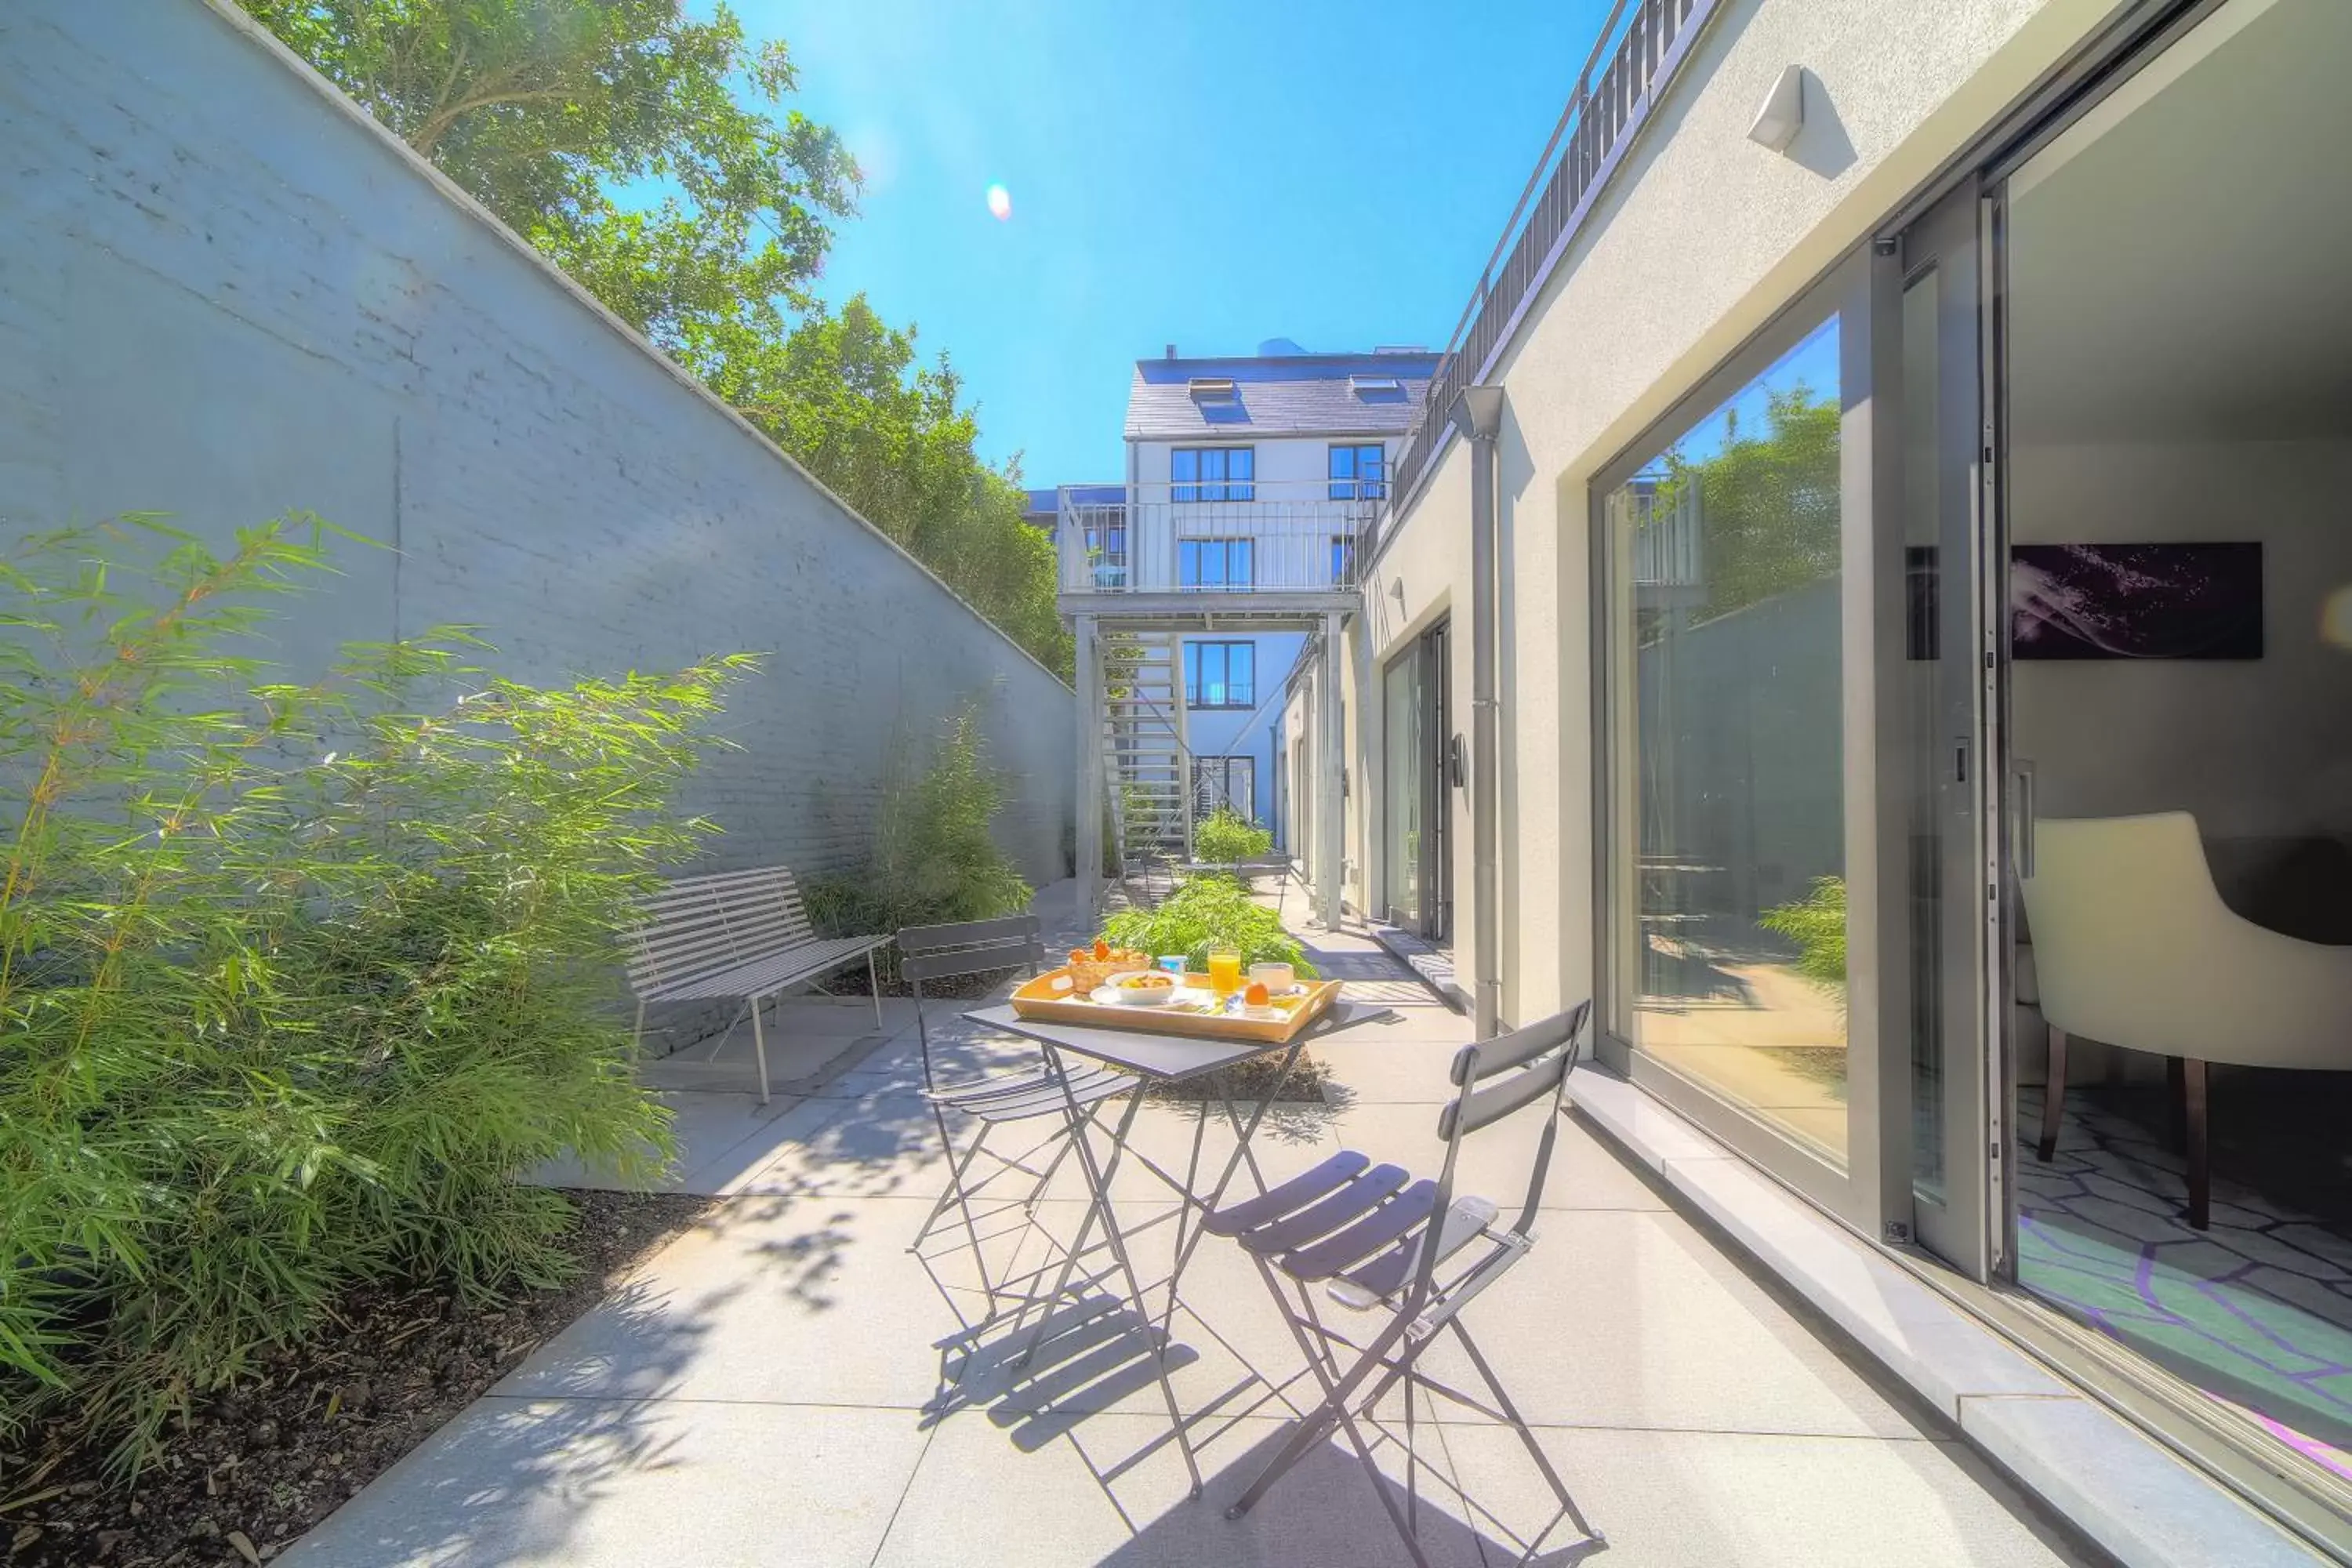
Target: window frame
{"points": [[1872, 1189], [1189, 554], [1107, 546], [1201, 485], [1355, 483], [1195, 663]]}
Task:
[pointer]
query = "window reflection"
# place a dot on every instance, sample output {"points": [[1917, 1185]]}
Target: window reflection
{"points": [[1731, 871]]}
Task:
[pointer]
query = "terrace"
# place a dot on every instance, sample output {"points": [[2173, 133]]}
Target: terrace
{"points": [[789, 1383]]}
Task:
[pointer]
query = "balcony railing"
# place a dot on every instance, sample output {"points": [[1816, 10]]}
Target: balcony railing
{"points": [[1222, 536], [1642, 42]]}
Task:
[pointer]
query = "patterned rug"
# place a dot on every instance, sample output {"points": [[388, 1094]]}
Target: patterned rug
{"points": [[2256, 1311]]}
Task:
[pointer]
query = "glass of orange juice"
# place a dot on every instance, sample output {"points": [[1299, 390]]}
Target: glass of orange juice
{"points": [[1224, 972]]}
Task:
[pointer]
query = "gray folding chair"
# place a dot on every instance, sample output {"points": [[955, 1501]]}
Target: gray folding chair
{"points": [[1364, 1232], [974, 947]]}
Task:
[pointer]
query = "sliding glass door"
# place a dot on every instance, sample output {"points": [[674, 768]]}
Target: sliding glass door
{"points": [[1947, 687], [1753, 865], [1417, 803], [1402, 808]]}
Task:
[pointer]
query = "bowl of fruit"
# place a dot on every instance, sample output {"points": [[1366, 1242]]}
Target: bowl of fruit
{"points": [[1091, 968], [1142, 988]]}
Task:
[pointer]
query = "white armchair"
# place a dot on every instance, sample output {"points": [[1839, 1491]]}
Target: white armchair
{"points": [[2133, 946]]}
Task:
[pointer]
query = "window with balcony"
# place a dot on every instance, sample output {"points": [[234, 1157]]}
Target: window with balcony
{"points": [[1107, 552], [1219, 674], [1359, 472], [1216, 562], [1213, 473], [1343, 558]]}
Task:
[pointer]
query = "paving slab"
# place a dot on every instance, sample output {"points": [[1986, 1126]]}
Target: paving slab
{"points": [[1495, 1162], [1114, 1495], [810, 1299], [1624, 1318], [1681, 1500], [720, 1139], [623, 1484]]}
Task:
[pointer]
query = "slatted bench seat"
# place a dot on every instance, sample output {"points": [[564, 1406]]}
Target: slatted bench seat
{"points": [[737, 936]]}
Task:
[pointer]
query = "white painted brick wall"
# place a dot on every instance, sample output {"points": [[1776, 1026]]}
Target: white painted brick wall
{"points": [[221, 298]]}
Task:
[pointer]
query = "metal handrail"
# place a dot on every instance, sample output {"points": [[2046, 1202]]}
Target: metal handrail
{"points": [[1303, 537], [1640, 36]]}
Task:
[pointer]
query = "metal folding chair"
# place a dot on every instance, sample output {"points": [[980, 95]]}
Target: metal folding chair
{"points": [[943, 951], [1379, 1242]]}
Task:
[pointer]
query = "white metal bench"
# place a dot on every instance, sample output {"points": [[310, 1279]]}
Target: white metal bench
{"points": [[737, 936]]}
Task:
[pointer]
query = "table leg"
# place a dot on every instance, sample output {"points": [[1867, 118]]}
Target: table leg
{"points": [[1233, 1162], [1099, 1177]]}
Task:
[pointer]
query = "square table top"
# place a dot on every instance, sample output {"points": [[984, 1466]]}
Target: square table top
{"points": [[1170, 1056]]}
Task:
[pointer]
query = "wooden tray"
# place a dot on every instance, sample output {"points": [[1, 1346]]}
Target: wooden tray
{"points": [[1050, 996]]}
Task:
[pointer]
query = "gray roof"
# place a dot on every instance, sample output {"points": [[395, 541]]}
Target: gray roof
{"points": [[1285, 394]]}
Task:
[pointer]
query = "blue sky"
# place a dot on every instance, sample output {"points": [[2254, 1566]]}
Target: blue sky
{"points": [[1204, 172]]}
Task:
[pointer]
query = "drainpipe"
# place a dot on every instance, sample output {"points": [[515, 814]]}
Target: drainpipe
{"points": [[1478, 413]]}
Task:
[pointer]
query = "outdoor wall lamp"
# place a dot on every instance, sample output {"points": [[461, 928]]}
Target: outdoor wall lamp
{"points": [[1783, 114]]}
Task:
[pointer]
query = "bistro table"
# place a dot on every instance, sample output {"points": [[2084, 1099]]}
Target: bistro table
{"points": [[1161, 1058]]}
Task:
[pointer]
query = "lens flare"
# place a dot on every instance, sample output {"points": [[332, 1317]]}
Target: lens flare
{"points": [[1000, 202]]}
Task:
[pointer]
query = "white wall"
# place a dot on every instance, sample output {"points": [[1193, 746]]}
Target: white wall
{"points": [[1293, 511], [2258, 749], [1702, 238]]}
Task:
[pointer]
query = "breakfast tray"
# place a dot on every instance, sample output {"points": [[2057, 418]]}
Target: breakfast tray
{"points": [[1050, 996]]}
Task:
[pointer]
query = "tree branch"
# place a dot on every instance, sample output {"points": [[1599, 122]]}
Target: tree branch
{"points": [[433, 130]]}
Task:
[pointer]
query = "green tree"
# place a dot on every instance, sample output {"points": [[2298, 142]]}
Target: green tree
{"points": [[541, 109], [846, 392], [559, 115]]}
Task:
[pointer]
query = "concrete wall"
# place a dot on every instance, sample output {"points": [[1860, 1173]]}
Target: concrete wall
{"points": [[1700, 240], [224, 293]]}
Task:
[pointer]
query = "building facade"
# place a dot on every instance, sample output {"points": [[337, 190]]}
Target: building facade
{"points": [[1250, 481], [1864, 600]]}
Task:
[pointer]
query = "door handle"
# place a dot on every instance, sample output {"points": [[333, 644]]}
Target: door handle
{"points": [[1453, 767], [2025, 819]]}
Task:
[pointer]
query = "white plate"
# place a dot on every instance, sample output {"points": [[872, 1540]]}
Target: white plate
{"points": [[1112, 997]]}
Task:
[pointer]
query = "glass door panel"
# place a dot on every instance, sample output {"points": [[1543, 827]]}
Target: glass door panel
{"points": [[1940, 730], [1404, 766], [1437, 741], [1732, 539]]}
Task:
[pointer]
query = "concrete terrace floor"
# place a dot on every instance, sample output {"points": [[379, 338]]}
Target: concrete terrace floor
{"points": [[787, 1385]]}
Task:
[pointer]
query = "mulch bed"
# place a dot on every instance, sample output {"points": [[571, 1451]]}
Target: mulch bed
{"points": [[262, 1462], [947, 988]]}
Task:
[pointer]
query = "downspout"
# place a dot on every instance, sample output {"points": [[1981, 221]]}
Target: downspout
{"points": [[1478, 413]]}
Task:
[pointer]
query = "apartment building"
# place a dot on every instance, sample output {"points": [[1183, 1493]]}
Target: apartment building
{"points": [[1201, 579]]}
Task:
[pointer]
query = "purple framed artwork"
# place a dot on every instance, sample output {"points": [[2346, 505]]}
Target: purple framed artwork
{"points": [[2136, 601]]}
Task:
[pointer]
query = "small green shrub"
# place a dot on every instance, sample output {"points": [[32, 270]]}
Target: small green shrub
{"points": [[1816, 923], [1206, 912], [1225, 839], [934, 857], [293, 979]]}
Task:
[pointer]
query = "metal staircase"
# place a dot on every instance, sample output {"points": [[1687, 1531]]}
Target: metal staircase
{"points": [[1148, 769]]}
